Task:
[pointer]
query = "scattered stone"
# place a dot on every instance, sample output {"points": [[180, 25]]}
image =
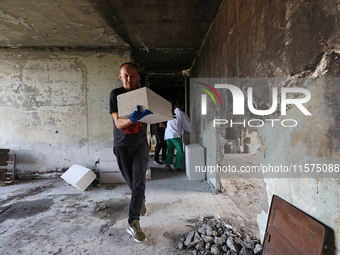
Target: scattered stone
{"points": [[211, 223], [207, 218], [181, 245], [225, 248], [208, 239], [237, 241], [200, 245], [191, 245], [104, 228], [229, 233], [248, 244], [212, 236], [215, 250], [258, 249], [232, 245], [196, 240], [193, 251], [214, 233], [189, 238], [244, 251], [208, 230], [237, 233], [202, 231], [228, 226], [219, 240], [197, 237]]}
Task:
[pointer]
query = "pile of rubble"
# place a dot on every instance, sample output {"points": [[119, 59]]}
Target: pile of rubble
{"points": [[212, 236]]}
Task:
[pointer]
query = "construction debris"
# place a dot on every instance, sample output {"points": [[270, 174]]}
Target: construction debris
{"points": [[213, 236]]}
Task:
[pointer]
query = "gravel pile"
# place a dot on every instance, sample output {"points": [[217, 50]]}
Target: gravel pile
{"points": [[212, 236]]}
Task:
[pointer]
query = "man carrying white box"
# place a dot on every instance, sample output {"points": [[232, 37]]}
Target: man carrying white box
{"points": [[131, 149]]}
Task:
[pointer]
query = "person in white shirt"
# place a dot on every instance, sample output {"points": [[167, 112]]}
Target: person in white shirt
{"points": [[173, 134]]}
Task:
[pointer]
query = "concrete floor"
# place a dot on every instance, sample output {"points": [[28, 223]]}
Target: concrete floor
{"points": [[51, 217]]}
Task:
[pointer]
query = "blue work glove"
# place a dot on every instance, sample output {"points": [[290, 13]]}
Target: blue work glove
{"points": [[137, 115]]}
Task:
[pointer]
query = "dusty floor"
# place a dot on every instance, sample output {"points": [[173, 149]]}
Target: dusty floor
{"points": [[51, 217]]}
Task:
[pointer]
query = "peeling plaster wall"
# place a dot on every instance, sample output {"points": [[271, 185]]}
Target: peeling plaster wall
{"points": [[54, 106], [259, 39]]}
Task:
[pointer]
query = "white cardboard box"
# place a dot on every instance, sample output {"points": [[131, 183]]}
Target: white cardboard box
{"points": [[194, 156], [79, 176], [146, 99]]}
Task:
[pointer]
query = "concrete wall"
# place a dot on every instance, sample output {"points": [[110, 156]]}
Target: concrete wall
{"points": [[54, 106], [256, 39]]}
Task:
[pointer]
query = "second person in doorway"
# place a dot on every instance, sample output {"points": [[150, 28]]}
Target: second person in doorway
{"points": [[159, 129], [173, 134]]}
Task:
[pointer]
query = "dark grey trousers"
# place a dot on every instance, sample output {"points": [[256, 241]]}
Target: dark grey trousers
{"points": [[161, 144], [133, 162]]}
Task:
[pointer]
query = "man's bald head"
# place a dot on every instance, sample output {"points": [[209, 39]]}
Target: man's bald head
{"points": [[129, 76], [130, 64]]}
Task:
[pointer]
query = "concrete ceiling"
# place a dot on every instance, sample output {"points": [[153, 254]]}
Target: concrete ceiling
{"points": [[164, 35]]}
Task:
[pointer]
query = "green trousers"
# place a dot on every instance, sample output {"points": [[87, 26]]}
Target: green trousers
{"points": [[172, 143]]}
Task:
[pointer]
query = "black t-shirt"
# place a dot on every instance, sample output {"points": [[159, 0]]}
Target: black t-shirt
{"points": [[134, 134]]}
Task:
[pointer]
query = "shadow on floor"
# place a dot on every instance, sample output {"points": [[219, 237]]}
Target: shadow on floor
{"points": [[158, 173]]}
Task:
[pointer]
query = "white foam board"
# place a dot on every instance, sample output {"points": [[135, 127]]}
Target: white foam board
{"points": [[194, 156], [79, 176], [146, 99]]}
